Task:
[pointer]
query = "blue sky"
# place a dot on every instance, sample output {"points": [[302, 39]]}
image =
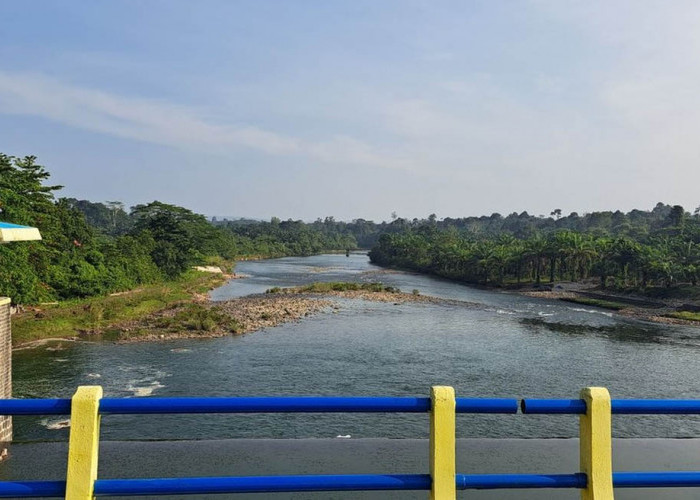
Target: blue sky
{"points": [[303, 109]]}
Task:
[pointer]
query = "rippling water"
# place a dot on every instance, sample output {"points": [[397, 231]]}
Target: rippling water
{"points": [[505, 346]]}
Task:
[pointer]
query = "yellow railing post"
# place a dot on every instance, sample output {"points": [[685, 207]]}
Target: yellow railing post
{"points": [[83, 445], [442, 443], [596, 444]]}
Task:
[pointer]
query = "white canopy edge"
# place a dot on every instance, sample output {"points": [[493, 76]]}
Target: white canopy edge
{"points": [[19, 234]]}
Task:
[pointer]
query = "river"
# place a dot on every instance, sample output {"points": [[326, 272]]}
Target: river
{"points": [[506, 345]]}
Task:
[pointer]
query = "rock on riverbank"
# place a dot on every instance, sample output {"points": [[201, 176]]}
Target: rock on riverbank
{"points": [[258, 312]]}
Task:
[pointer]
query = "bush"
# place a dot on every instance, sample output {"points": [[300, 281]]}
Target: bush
{"points": [[196, 317]]}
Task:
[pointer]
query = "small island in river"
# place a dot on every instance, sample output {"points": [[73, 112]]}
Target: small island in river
{"points": [[204, 318]]}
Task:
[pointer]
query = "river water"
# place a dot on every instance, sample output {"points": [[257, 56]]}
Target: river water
{"points": [[498, 345]]}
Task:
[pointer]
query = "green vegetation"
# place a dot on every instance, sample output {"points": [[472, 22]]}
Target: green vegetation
{"points": [[198, 318], [686, 315], [634, 251], [605, 304], [154, 243], [336, 286], [280, 238], [100, 314]]}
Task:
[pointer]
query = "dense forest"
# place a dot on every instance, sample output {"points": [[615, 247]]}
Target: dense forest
{"points": [[623, 250], [93, 248]]}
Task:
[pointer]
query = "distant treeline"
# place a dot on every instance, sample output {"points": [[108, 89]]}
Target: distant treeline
{"points": [[359, 233], [635, 249]]}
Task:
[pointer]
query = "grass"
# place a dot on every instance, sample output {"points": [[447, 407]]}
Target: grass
{"points": [[336, 286], [687, 315], [96, 314], [605, 304], [197, 318]]}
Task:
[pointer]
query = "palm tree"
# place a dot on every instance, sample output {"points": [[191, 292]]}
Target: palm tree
{"points": [[483, 255], [625, 253], [604, 266], [500, 258], [536, 250]]}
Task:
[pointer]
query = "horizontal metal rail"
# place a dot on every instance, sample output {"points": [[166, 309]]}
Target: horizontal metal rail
{"points": [[265, 405], [346, 405], [519, 481], [257, 405], [359, 482], [35, 406], [32, 489], [261, 484], [617, 406], [482, 405], [678, 479]]}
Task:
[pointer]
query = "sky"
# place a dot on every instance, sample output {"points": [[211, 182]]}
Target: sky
{"points": [[358, 108]]}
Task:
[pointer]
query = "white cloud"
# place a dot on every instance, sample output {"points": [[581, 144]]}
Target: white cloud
{"points": [[172, 125]]}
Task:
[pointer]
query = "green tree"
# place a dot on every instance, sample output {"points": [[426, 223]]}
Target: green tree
{"points": [[181, 236]]}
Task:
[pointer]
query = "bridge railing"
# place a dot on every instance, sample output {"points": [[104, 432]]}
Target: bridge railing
{"points": [[595, 478]]}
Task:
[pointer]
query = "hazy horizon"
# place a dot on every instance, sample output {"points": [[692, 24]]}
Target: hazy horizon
{"points": [[358, 109]]}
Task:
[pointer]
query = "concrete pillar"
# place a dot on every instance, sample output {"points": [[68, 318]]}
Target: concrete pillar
{"points": [[8, 233], [5, 369]]}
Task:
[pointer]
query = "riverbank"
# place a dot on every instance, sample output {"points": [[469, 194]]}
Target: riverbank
{"points": [[124, 314], [678, 305], [82, 318], [667, 311], [182, 309], [198, 317]]}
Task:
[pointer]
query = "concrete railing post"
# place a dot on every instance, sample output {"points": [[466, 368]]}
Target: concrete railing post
{"points": [[442, 443], [9, 232], [596, 444], [84, 443]]}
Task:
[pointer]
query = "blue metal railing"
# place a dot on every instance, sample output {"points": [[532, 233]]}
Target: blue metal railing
{"points": [[617, 406], [362, 482]]}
